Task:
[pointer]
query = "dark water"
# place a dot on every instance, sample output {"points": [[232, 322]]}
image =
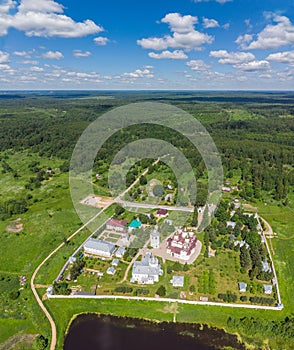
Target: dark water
{"points": [[90, 331]]}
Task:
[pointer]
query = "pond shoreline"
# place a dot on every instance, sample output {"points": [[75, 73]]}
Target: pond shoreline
{"points": [[186, 334]]}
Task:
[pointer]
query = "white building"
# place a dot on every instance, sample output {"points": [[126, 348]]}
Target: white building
{"points": [[267, 288], [155, 239], [116, 225], [111, 271], [242, 287], [231, 224], [177, 281], [181, 245], [120, 252], [146, 271], [98, 247]]}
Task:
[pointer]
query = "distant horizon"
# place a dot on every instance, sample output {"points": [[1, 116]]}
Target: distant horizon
{"points": [[143, 90]]}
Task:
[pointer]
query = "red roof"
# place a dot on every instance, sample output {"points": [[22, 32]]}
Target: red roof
{"points": [[161, 211], [116, 222]]}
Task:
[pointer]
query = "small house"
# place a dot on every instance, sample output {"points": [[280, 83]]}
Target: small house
{"points": [[177, 281], [120, 252], [136, 223], [161, 212], [267, 288], [265, 266], [115, 262], [49, 290], [231, 224], [242, 287], [168, 221], [116, 225], [111, 271]]}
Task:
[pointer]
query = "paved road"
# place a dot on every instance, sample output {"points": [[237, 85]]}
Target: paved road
{"points": [[166, 300], [153, 206]]}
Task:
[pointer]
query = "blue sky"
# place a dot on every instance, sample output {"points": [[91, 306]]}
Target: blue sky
{"points": [[174, 44]]}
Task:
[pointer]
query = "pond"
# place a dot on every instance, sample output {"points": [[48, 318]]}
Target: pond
{"points": [[100, 332]]}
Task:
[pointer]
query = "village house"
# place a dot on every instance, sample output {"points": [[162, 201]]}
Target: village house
{"points": [[265, 266], [161, 213], [136, 223], [111, 271], [267, 288], [116, 225], [177, 281], [120, 252], [181, 245], [98, 247], [231, 224], [115, 262], [242, 287], [146, 271]]}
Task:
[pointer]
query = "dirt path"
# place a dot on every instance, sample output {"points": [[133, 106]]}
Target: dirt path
{"points": [[18, 338]]}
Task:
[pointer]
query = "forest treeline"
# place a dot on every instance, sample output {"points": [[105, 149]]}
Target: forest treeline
{"points": [[260, 148]]}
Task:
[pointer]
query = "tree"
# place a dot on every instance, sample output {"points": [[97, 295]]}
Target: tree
{"points": [[158, 191], [245, 260], [143, 180], [40, 343], [76, 268], [61, 288], [119, 210], [192, 288], [161, 291], [194, 221]]}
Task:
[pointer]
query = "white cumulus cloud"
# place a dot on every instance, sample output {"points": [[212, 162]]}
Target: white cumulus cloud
{"points": [[184, 36], [243, 40], [226, 57], [101, 40], [4, 57], [253, 66], [139, 73], [44, 18], [197, 65], [179, 23], [175, 55], [274, 35], [53, 55], [36, 69], [282, 57], [210, 23], [79, 53]]}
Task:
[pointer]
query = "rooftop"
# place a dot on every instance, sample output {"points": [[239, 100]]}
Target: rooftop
{"points": [[136, 223], [178, 281], [99, 245], [116, 222]]}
